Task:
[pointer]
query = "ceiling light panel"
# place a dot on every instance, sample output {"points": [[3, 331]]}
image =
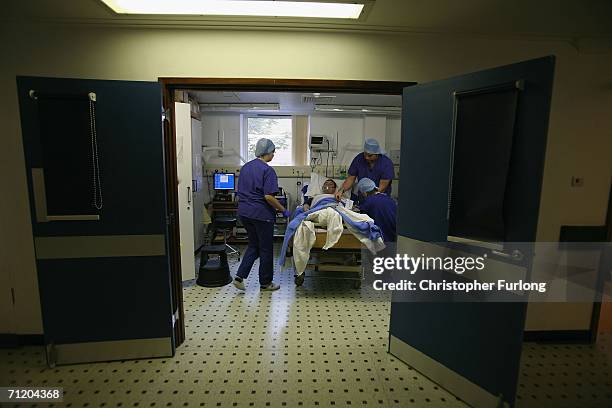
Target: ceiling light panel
{"points": [[219, 107], [259, 8], [366, 110]]}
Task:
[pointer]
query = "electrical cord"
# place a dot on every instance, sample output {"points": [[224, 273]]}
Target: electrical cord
{"points": [[210, 195], [327, 163], [297, 188], [97, 184]]}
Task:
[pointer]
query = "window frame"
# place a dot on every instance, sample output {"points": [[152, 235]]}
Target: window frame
{"points": [[244, 134]]}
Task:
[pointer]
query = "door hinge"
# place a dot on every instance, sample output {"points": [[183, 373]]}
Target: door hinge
{"points": [[13, 295], [51, 354], [169, 219], [166, 115]]}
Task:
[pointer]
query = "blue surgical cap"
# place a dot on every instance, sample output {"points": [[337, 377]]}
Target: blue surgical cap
{"points": [[365, 185], [264, 146], [371, 146]]}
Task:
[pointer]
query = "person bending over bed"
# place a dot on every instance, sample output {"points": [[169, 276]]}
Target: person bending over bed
{"points": [[380, 207], [329, 187]]}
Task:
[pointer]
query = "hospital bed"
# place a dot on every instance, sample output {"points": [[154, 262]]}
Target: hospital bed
{"points": [[342, 261]]}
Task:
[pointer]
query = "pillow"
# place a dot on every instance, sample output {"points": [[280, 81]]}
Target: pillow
{"points": [[316, 185]]}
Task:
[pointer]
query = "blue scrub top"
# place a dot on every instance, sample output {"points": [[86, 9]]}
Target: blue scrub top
{"points": [[382, 170], [256, 180], [383, 210]]}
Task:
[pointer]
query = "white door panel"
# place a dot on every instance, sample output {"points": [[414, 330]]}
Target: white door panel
{"points": [[185, 188], [198, 196]]}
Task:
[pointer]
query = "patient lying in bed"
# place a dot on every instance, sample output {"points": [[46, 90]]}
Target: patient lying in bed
{"points": [[328, 189]]}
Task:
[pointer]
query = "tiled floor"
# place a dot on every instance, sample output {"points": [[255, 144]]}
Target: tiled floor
{"points": [[318, 345], [567, 376]]}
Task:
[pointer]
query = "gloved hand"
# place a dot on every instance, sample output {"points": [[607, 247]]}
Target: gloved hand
{"points": [[286, 213]]}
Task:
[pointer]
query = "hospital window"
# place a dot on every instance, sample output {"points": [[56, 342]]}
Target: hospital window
{"points": [[279, 129]]}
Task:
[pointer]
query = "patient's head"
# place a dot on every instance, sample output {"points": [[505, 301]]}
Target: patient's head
{"points": [[329, 187]]}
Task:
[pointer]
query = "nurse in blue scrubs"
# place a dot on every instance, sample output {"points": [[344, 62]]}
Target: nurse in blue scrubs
{"points": [[372, 164], [380, 207], [257, 208]]}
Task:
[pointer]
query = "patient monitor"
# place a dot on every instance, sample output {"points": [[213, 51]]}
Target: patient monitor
{"points": [[224, 181]]}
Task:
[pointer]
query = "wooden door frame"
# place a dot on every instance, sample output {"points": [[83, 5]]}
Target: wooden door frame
{"points": [[171, 84], [605, 258]]}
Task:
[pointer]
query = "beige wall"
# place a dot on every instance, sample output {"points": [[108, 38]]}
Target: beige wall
{"points": [[580, 139]]}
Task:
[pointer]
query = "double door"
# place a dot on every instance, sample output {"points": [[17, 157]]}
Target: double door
{"points": [[94, 154], [472, 159]]}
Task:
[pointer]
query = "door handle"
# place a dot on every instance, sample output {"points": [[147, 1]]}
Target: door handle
{"points": [[188, 195], [515, 255]]}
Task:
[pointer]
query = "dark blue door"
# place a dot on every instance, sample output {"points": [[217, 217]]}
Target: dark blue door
{"points": [[95, 166], [471, 171]]}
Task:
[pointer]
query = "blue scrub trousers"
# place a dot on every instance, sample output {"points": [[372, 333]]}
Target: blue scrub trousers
{"points": [[261, 239]]}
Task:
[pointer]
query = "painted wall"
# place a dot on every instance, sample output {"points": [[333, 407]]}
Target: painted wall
{"points": [[225, 127], [350, 130], [580, 139], [394, 134]]}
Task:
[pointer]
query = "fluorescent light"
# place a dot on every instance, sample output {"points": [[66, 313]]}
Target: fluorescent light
{"points": [[261, 8], [219, 107], [359, 109]]}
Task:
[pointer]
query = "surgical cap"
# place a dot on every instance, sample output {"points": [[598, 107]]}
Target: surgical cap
{"points": [[264, 146], [365, 185], [371, 146]]}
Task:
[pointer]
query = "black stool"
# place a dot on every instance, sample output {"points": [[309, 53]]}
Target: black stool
{"points": [[213, 273], [226, 224]]}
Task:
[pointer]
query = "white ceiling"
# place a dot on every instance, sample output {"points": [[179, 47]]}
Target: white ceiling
{"points": [[569, 19]]}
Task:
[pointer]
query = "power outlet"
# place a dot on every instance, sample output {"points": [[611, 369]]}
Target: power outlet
{"points": [[577, 181], [394, 155]]}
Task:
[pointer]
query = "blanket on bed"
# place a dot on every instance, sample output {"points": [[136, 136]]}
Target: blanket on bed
{"points": [[326, 212]]}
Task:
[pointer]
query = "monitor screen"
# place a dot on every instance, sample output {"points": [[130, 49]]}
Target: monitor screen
{"points": [[224, 181]]}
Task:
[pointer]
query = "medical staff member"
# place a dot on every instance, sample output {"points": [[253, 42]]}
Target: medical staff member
{"points": [[257, 208], [380, 207], [372, 164]]}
